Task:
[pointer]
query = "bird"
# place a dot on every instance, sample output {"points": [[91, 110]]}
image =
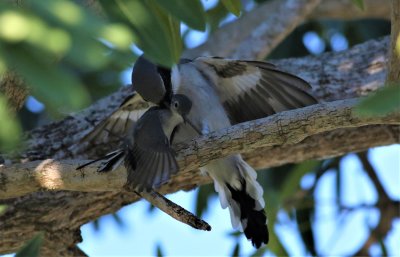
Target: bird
{"points": [[225, 92], [146, 153]]}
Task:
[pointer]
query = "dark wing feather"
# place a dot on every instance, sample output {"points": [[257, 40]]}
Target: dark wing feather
{"points": [[250, 89], [118, 123], [150, 160]]}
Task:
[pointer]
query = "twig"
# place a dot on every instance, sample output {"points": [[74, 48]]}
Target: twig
{"points": [[175, 211], [383, 196]]}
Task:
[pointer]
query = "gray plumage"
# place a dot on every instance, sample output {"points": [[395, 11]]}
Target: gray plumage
{"points": [[225, 92], [146, 152], [149, 158]]}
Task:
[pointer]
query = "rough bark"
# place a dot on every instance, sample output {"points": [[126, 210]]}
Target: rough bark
{"points": [[347, 10], [342, 75], [263, 29], [282, 129], [14, 89], [394, 55]]}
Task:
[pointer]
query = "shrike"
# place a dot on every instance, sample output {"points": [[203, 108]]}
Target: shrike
{"points": [[223, 92]]}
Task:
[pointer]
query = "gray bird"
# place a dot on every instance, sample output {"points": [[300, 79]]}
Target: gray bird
{"points": [[146, 152], [226, 92]]}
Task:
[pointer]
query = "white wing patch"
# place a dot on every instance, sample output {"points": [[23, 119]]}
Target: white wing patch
{"points": [[175, 79], [251, 90], [118, 123]]}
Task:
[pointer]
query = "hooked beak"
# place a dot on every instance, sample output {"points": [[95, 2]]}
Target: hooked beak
{"points": [[187, 121]]}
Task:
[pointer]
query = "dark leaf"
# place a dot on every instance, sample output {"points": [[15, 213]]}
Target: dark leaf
{"points": [[215, 15], [292, 182], [359, 4], [3, 208], [52, 85], [234, 6], [10, 131], [158, 32], [190, 12], [304, 214], [204, 193], [32, 247]]}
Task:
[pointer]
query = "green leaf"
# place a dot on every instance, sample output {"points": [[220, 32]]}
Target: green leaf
{"points": [[190, 12], [384, 101], [304, 214], [204, 193], [51, 84], [291, 184], [32, 247], [234, 6], [3, 208], [215, 15], [10, 131], [359, 4], [275, 245], [158, 32]]}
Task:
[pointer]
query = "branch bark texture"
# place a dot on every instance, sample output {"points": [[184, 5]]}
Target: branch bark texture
{"points": [[282, 129]]}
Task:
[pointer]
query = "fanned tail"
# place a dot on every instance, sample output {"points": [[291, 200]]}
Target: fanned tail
{"points": [[244, 197]]}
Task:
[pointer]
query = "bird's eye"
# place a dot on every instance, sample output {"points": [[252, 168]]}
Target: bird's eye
{"points": [[176, 104]]}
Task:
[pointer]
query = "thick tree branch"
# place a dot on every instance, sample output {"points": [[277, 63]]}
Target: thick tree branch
{"points": [[274, 20], [282, 129], [258, 32]]}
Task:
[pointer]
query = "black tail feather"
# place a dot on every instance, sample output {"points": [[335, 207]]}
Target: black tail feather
{"points": [[254, 222]]}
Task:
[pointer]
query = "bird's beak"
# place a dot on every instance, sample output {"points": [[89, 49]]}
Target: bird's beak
{"points": [[187, 121]]}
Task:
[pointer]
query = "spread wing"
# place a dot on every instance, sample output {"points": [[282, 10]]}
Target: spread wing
{"points": [[250, 89], [120, 121], [149, 160]]}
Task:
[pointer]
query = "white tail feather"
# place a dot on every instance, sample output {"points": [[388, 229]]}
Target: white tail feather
{"points": [[233, 171]]}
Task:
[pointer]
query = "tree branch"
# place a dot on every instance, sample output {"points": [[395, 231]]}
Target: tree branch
{"points": [[175, 211], [282, 129], [347, 10], [263, 29], [394, 55]]}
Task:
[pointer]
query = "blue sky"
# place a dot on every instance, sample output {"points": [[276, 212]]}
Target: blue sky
{"points": [[143, 231]]}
